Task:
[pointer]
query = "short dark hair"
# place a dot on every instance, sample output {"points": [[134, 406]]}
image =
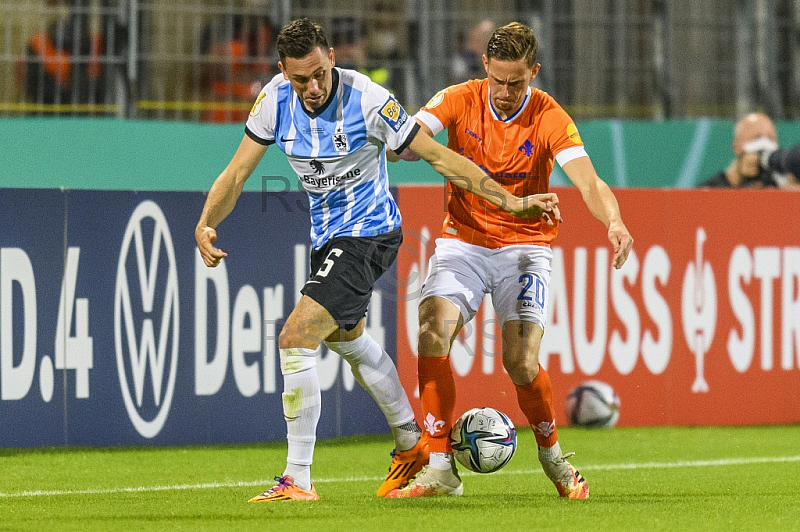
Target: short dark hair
{"points": [[298, 38], [513, 42]]}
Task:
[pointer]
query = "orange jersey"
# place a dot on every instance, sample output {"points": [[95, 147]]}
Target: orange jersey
{"points": [[517, 152]]}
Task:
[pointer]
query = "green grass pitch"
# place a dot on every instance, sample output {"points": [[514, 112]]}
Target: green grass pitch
{"points": [[720, 479]]}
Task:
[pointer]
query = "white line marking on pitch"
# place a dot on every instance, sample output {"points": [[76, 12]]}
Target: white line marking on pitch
{"points": [[263, 482]]}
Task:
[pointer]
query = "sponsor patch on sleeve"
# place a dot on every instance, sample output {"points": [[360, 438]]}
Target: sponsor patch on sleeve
{"points": [[572, 133], [257, 106], [393, 114]]}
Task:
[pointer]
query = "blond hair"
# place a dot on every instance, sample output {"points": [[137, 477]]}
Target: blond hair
{"points": [[513, 42]]}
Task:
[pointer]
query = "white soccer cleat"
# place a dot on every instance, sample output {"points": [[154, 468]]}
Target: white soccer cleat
{"points": [[568, 481], [431, 483]]}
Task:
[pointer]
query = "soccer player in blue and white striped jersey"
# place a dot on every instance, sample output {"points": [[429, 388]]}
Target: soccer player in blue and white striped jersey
{"points": [[337, 149], [335, 126]]}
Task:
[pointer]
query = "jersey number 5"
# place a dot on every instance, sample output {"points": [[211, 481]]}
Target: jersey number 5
{"points": [[328, 263]]}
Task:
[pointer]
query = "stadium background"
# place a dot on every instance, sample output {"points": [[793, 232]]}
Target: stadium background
{"points": [[652, 59], [654, 86]]}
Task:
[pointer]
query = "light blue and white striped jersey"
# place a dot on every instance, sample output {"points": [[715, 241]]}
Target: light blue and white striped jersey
{"points": [[338, 151]]}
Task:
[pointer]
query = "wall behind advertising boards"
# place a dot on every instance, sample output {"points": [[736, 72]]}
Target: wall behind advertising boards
{"points": [[149, 155]]}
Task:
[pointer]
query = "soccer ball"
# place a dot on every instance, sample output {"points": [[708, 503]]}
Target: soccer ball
{"points": [[593, 404], [483, 440]]}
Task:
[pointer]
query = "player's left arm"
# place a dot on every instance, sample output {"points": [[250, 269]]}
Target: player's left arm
{"points": [[602, 204]]}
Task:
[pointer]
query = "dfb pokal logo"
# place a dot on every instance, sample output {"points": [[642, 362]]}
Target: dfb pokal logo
{"points": [[699, 310], [146, 325]]}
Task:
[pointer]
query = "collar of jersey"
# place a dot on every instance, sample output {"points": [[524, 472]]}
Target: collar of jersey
{"points": [[331, 96], [516, 113]]}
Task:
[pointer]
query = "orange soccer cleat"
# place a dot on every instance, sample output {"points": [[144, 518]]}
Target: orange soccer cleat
{"points": [[568, 481], [285, 490], [405, 464], [574, 488]]}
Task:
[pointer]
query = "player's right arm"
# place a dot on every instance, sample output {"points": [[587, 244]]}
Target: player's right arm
{"points": [[391, 118], [467, 175], [223, 196]]}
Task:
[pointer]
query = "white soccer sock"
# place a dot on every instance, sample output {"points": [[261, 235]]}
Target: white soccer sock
{"points": [[441, 461], [375, 372], [301, 409], [301, 475], [550, 454], [406, 436]]}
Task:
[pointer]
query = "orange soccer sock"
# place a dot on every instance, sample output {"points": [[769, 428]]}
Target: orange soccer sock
{"points": [[437, 392], [536, 402]]}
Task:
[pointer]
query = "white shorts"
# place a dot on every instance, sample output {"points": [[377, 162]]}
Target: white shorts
{"points": [[517, 277]]}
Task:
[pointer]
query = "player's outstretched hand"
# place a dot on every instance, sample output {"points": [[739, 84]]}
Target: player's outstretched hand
{"points": [[622, 242], [539, 206], [205, 237]]}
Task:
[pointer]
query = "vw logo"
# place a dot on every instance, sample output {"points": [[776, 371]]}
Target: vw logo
{"points": [[146, 321]]}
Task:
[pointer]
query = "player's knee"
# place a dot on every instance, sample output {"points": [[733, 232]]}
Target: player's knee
{"points": [[522, 370], [287, 338], [344, 350], [302, 334], [432, 341]]}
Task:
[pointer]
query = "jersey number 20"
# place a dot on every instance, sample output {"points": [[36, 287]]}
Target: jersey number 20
{"points": [[537, 295]]}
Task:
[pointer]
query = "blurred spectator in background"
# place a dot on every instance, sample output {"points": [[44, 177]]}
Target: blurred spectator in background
{"points": [[468, 63], [350, 41], [237, 63], [755, 139], [63, 62], [383, 46]]}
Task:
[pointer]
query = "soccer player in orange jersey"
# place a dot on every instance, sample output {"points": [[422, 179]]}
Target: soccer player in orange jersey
{"points": [[513, 132]]}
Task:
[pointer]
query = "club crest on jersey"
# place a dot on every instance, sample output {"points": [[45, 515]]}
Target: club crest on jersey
{"points": [[393, 114], [340, 142], [526, 148]]}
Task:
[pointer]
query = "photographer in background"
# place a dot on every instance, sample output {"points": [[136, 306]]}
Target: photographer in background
{"points": [[781, 165], [758, 162]]}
